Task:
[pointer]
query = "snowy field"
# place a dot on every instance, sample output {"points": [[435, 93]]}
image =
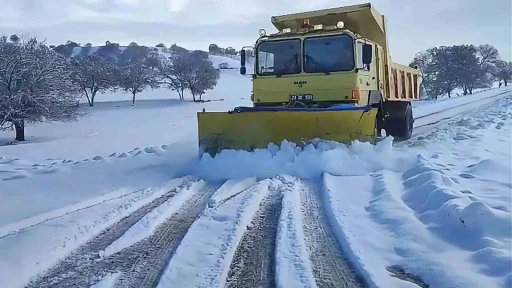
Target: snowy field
{"points": [[96, 202]]}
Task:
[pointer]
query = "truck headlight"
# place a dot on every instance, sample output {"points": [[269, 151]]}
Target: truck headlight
{"points": [[262, 32]]}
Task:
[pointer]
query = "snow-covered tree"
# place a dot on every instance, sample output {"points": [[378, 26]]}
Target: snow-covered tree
{"points": [[188, 70], [174, 71], [503, 71], [14, 38], [203, 75], [35, 86], [468, 67], [93, 74], [137, 75]]}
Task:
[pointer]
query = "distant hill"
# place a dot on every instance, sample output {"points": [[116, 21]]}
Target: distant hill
{"points": [[118, 53]]}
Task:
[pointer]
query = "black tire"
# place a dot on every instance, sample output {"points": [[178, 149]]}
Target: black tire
{"points": [[401, 126]]}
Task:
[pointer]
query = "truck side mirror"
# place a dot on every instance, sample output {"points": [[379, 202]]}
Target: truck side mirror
{"points": [[242, 58], [367, 54], [243, 70]]}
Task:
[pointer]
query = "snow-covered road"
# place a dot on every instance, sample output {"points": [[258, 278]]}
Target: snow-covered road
{"points": [[430, 212]]}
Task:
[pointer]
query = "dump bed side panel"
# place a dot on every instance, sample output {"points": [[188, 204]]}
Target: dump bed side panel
{"points": [[404, 83]]}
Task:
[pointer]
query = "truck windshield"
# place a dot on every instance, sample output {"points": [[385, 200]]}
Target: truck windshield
{"points": [[329, 54], [279, 57]]}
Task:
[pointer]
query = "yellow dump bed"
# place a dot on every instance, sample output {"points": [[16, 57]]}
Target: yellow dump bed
{"points": [[404, 83]]}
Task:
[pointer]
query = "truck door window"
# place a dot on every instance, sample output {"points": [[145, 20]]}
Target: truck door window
{"points": [[329, 54], [279, 57], [359, 57]]}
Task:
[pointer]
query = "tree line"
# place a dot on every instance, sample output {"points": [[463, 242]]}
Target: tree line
{"points": [[40, 83], [214, 49], [468, 67]]}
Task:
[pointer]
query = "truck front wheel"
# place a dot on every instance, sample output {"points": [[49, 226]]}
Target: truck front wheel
{"points": [[399, 120]]}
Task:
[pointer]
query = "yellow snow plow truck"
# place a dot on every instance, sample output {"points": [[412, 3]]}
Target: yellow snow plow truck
{"points": [[325, 74]]}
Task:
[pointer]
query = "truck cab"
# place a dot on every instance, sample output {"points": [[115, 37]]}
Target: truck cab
{"points": [[317, 60], [317, 66]]}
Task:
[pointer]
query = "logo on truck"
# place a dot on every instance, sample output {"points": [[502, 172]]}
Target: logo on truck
{"points": [[300, 83]]}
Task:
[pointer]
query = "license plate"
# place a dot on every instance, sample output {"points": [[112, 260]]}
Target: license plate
{"points": [[301, 97]]}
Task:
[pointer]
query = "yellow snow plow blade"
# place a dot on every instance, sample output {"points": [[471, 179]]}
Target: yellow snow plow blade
{"points": [[249, 128]]}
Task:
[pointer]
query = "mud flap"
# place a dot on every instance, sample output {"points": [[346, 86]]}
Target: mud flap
{"points": [[248, 128]]}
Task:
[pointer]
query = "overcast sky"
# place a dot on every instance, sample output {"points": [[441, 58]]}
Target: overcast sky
{"points": [[414, 25]]}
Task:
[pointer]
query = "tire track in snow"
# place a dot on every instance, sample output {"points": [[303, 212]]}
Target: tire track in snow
{"points": [[28, 223], [153, 253], [83, 267], [293, 267], [331, 266], [253, 264]]}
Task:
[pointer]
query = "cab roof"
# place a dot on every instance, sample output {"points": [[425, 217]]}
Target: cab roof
{"points": [[362, 19]]}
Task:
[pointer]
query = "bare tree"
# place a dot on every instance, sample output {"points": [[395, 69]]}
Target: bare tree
{"points": [[174, 71], [137, 75], [487, 54], [203, 75], [423, 62], [503, 71], [190, 70], [35, 86], [93, 74]]}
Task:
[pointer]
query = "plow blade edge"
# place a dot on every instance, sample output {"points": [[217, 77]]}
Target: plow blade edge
{"points": [[256, 128]]}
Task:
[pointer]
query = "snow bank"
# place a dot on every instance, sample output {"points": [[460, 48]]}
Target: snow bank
{"points": [[75, 182], [423, 108], [460, 219], [396, 236], [308, 162], [474, 152], [444, 217]]}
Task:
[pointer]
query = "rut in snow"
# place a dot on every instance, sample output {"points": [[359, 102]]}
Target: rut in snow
{"points": [[331, 267], [84, 267], [153, 253], [253, 264]]}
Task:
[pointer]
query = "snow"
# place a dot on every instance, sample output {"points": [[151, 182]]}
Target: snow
{"points": [[293, 268], [424, 108], [108, 281], [68, 183], [148, 224], [438, 206], [425, 219], [35, 248], [232, 63], [119, 127], [218, 231], [291, 160]]}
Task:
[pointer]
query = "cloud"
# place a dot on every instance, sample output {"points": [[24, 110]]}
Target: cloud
{"points": [[413, 25]]}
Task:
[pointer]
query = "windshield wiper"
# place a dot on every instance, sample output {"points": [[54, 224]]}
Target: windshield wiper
{"points": [[313, 61], [293, 60]]}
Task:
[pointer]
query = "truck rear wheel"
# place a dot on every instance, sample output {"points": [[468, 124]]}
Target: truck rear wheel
{"points": [[399, 119]]}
